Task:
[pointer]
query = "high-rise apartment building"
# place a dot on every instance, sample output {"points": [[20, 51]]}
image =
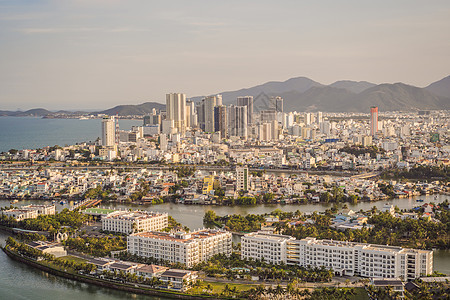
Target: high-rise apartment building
{"points": [[210, 103], [248, 102], [191, 116], [220, 120], [242, 178], [319, 117], [237, 121], [268, 115], [108, 132], [308, 118], [373, 120], [265, 131], [176, 110], [276, 104]]}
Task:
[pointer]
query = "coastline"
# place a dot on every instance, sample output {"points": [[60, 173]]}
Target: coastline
{"points": [[105, 283]]}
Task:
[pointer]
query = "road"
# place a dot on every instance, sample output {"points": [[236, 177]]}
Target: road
{"points": [[6, 167]]}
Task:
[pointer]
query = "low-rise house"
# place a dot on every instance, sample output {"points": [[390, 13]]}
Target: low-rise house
{"points": [[178, 279], [49, 248], [150, 271], [396, 284]]}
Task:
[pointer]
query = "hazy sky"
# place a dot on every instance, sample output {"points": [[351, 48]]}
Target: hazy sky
{"points": [[90, 54]]}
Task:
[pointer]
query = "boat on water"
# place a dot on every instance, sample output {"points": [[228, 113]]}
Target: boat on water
{"points": [[419, 200], [14, 201], [63, 202]]}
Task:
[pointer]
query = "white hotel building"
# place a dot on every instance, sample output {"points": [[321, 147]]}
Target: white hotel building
{"points": [[185, 248], [137, 221], [271, 247], [31, 211], [345, 258]]}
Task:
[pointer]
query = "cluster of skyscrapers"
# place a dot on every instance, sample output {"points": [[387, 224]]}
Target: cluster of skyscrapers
{"points": [[235, 121], [212, 116]]}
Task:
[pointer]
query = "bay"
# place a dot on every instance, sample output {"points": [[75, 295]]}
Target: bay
{"points": [[32, 133]]}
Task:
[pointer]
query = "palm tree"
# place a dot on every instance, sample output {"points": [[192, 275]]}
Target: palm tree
{"points": [[269, 291], [260, 291], [279, 290]]}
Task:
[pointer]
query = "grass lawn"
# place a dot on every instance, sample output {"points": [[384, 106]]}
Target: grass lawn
{"points": [[73, 258], [360, 294], [217, 287]]}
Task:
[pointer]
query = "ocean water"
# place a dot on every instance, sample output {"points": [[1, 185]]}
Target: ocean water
{"points": [[31, 133]]}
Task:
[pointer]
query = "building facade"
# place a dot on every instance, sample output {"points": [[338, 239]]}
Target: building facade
{"points": [[137, 221], [210, 103], [373, 120], [185, 248], [248, 102], [108, 132], [237, 121], [220, 121], [270, 247], [242, 179], [366, 260], [176, 110], [344, 258]]}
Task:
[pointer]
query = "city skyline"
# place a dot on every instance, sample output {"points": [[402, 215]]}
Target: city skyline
{"points": [[88, 55]]}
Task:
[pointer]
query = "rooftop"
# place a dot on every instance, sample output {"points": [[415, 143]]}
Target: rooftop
{"points": [[268, 236]]}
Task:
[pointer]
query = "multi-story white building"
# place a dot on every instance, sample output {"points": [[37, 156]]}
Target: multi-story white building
{"points": [[108, 131], [29, 211], [137, 221], [345, 258], [185, 248], [41, 209], [242, 179], [270, 247], [176, 110], [366, 260], [20, 214]]}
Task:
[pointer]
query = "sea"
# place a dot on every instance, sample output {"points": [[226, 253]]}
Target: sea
{"points": [[35, 132]]}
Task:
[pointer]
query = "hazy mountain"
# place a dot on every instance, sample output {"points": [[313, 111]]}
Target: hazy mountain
{"points": [[298, 84], [121, 110], [324, 98], [441, 87], [32, 112], [388, 97], [140, 109], [353, 86], [303, 94], [399, 96]]}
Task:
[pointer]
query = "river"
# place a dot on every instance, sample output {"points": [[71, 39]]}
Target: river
{"points": [[20, 281], [40, 285]]}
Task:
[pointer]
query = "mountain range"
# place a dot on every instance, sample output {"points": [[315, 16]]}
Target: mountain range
{"points": [[304, 94]]}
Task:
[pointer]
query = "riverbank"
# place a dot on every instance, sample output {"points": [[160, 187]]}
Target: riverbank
{"points": [[133, 288]]}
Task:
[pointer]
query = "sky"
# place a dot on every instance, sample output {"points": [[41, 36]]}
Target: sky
{"points": [[95, 54]]}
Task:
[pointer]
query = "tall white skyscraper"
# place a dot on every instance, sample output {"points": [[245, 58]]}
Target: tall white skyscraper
{"points": [[308, 117], [108, 131], [176, 110], [319, 117]]}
